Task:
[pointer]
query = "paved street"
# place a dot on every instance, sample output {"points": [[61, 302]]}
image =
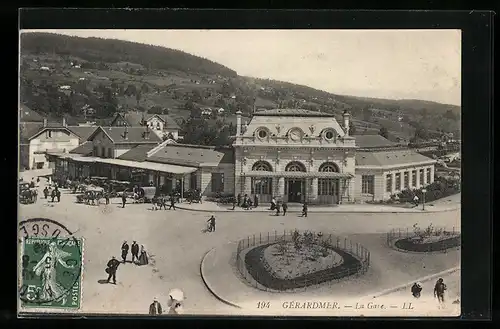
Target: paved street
{"points": [[176, 245]]}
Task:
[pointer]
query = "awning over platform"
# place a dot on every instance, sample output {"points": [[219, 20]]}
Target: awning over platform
{"points": [[297, 174], [152, 166]]}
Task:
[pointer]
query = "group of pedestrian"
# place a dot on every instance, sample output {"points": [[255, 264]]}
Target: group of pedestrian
{"points": [[439, 290], [246, 202], [280, 206], [139, 257], [175, 303]]}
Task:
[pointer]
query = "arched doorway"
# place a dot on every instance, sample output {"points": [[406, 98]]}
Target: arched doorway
{"points": [[262, 186], [328, 188], [295, 187]]}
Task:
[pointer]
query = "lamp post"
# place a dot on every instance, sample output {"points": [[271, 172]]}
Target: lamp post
{"points": [[423, 198]]}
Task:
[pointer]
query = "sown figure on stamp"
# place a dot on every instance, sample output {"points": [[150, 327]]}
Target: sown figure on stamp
{"points": [[125, 249], [46, 270], [111, 269], [135, 251]]}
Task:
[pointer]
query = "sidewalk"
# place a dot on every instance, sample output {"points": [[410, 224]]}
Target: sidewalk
{"points": [[446, 204]]}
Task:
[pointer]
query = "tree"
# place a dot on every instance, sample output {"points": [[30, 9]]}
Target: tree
{"points": [[138, 97], [131, 90], [144, 88], [421, 133], [384, 132], [450, 115]]}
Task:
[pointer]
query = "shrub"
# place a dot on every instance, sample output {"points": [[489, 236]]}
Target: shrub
{"points": [[296, 240], [308, 238]]}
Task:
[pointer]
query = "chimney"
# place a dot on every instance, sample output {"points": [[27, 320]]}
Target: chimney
{"points": [[238, 123], [64, 122], [45, 122], [346, 117], [125, 133]]}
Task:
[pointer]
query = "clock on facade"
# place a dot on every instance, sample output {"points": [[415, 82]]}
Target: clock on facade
{"points": [[295, 134]]}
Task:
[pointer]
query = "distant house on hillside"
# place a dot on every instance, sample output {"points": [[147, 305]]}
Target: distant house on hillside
{"points": [[44, 68], [160, 124]]}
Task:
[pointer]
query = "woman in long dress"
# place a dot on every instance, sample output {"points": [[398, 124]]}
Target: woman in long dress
{"points": [[46, 270], [143, 257]]}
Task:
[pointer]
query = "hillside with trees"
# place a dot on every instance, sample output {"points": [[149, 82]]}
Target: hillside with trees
{"points": [[90, 79]]}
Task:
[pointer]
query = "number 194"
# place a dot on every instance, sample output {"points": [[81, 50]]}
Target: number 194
{"points": [[263, 305]]}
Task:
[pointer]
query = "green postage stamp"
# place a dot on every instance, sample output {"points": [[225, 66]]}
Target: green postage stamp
{"points": [[51, 272]]}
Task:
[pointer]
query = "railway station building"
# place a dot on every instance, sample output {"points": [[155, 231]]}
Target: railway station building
{"points": [[292, 155]]}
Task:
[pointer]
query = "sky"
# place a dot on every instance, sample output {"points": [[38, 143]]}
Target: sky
{"points": [[395, 64]]}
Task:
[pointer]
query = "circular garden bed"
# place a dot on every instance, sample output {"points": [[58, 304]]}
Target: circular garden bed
{"points": [[428, 244], [287, 265]]}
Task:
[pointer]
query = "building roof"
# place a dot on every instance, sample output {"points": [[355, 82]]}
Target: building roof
{"points": [[135, 135], [137, 153], [135, 119], [84, 149], [83, 132], [52, 127], [390, 158], [28, 115], [279, 122], [192, 155], [169, 122], [292, 113], [373, 141]]}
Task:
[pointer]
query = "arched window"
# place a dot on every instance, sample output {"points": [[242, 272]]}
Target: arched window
{"points": [[295, 166], [262, 166], [328, 188], [262, 186], [329, 167]]}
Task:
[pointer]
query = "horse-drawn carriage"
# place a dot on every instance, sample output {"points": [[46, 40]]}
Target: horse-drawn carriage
{"points": [[92, 195], [26, 194], [140, 194]]}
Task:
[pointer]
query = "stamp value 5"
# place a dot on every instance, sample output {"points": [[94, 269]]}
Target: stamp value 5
{"points": [[51, 272]]}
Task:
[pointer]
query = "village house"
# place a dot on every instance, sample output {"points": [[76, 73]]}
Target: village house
{"points": [[51, 137], [160, 124]]}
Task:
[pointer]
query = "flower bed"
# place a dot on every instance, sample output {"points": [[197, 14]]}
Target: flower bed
{"points": [[428, 240], [432, 244], [306, 260], [284, 261]]}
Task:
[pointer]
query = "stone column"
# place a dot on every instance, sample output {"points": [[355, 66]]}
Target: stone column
{"points": [[281, 188], [314, 190], [418, 178], [393, 180], [432, 175], [247, 189]]}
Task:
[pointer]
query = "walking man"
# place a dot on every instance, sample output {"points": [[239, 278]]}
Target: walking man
{"points": [[124, 199], [255, 201], [211, 222], [239, 199], [58, 195], [416, 289], [125, 249], [135, 251], [155, 308], [106, 196], [278, 206], [285, 208], [415, 200], [439, 290], [304, 210], [172, 202], [111, 269]]}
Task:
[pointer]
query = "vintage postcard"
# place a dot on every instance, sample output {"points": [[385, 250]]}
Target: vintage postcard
{"points": [[240, 172]]}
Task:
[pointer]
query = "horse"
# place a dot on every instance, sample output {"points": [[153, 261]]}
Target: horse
{"points": [[29, 195]]}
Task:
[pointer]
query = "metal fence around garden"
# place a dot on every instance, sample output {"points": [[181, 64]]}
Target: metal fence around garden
{"points": [[356, 261], [409, 233]]}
